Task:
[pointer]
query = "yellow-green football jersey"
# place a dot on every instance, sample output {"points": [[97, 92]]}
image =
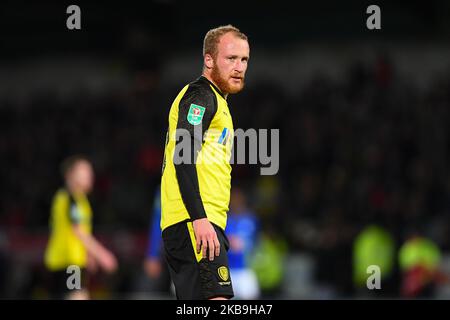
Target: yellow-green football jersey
{"points": [[196, 178]]}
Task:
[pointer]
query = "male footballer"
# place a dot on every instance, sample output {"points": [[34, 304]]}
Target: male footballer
{"points": [[196, 178]]}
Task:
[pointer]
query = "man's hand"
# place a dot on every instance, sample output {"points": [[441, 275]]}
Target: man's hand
{"points": [[236, 243], [153, 267], [206, 238]]}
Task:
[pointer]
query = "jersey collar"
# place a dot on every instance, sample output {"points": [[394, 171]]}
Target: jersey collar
{"points": [[214, 86]]}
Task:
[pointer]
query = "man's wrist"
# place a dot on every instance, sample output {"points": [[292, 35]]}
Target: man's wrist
{"points": [[198, 215], [198, 218]]}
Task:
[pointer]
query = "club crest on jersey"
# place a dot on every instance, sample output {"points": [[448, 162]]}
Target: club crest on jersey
{"points": [[223, 273], [195, 114]]}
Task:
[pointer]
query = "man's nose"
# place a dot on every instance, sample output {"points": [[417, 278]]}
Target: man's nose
{"points": [[239, 66]]}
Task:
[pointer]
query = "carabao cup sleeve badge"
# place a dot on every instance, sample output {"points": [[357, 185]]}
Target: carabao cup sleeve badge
{"points": [[195, 114]]}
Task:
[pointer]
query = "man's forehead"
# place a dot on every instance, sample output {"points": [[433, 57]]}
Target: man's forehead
{"points": [[230, 41], [82, 164]]}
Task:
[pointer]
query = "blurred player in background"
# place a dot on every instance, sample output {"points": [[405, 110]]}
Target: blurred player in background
{"points": [[196, 179], [374, 246], [420, 264], [243, 231], [154, 266], [71, 242]]}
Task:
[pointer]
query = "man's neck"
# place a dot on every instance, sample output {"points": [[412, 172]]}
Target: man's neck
{"points": [[207, 76]]}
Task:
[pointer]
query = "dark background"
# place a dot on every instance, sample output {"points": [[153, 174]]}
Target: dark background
{"points": [[362, 116]]}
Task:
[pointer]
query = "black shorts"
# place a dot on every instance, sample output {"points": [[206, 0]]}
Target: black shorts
{"points": [[57, 283], [196, 279]]}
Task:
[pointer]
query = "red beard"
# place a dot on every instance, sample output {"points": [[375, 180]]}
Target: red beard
{"points": [[223, 84]]}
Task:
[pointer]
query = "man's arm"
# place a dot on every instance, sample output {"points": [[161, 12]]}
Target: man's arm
{"points": [[152, 263], [196, 111], [154, 236], [102, 255], [94, 248]]}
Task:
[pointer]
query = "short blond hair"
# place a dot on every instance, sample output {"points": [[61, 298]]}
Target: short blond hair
{"points": [[213, 36]]}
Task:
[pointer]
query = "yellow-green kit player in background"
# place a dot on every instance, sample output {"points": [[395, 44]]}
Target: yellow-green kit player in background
{"points": [[71, 242], [196, 179]]}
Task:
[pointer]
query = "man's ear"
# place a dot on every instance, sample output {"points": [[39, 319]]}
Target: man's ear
{"points": [[208, 61]]}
